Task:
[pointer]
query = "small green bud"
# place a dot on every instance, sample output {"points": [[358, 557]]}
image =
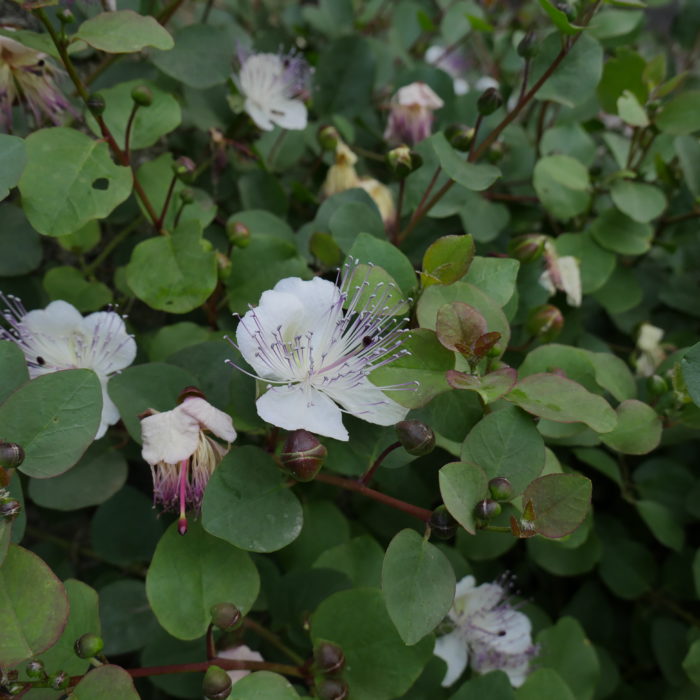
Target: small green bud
{"points": [[35, 670], [11, 454], [417, 438], [489, 102], [657, 385], [223, 265], [501, 489], [442, 524], [15, 688], [329, 658], [238, 233], [460, 136], [65, 16], [487, 509], [528, 247], [328, 137], [59, 681], [187, 196], [302, 455], [403, 161], [226, 616], [10, 508], [545, 322], [142, 96], [216, 684], [96, 104], [332, 689], [184, 168], [88, 646], [528, 46]]}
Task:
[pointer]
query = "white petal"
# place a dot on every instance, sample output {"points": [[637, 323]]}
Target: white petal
{"points": [[452, 649], [484, 598], [505, 630], [570, 279], [59, 319], [169, 437], [239, 653], [110, 412], [367, 402], [209, 417], [288, 113], [465, 586], [115, 349], [295, 407], [260, 116]]}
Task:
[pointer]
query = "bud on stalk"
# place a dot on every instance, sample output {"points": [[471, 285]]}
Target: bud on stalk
{"points": [[226, 616], [142, 96], [332, 689], [501, 489], [329, 658], [11, 454], [489, 102], [216, 684], [442, 524], [528, 247], [303, 455], [460, 136], [545, 322], [403, 161], [417, 438]]}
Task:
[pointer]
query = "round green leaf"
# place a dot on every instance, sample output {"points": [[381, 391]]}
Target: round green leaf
{"points": [[20, 244], [67, 283], [563, 401], [190, 574], [106, 683], [473, 176], [418, 584], [13, 368], [665, 524], [351, 218], [87, 185], [248, 504], [626, 567], [595, 263], [545, 683], [638, 429], [360, 560], [562, 183], [378, 665], [54, 417], [691, 662], [681, 115], [506, 443], [13, 158], [124, 31], [690, 367], [370, 249], [263, 685], [33, 606], [640, 201], [494, 276], [462, 486]]}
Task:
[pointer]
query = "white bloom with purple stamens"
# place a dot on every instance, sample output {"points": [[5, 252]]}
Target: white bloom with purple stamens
{"points": [[411, 115], [273, 87], [182, 454], [315, 345], [58, 337], [488, 633]]}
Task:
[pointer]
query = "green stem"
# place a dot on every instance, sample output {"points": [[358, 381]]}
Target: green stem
{"points": [[275, 148], [273, 639], [129, 127], [113, 243]]}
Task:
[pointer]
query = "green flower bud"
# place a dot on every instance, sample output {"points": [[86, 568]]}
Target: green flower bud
{"points": [[11, 454], [528, 247], [35, 670], [487, 509], [417, 438], [10, 508], [65, 16], [303, 455], [142, 96], [501, 489], [184, 168], [332, 689], [328, 137], [216, 684], [187, 196], [657, 385], [442, 524], [223, 265], [403, 161], [15, 688], [460, 136], [226, 616], [489, 102], [528, 46], [545, 322], [59, 681], [238, 233], [329, 658], [96, 104], [88, 646]]}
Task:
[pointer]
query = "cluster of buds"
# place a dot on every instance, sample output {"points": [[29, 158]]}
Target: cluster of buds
{"points": [[500, 491], [328, 665]]}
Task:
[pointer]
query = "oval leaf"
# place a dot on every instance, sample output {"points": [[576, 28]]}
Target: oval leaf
{"points": [[462, 486], [560, 502], [124, 31], [263, 685], [105, 683], [638, 429]]}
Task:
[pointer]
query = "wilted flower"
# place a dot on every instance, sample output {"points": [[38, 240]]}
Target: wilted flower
{"points": [[274, 87], [181, 453], [314, 344], [382, 197], [562, 273], [239, 653], [650, 351], [488, 633], [411, 115], [58, 337], [27, 75], [454, 62]]}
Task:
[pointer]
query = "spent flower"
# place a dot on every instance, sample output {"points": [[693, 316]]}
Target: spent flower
{"points": [[411, 114], [239, 653], [488, 633], [59, 337], [314, 345], [561, 273]]}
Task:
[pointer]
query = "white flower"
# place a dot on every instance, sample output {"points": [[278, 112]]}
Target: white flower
{"points": [[58, 337], [488, 633], [562, 273], [300, 339], [181, 454], [273, 87], [411, 115], [239, 653], [651, 353]]}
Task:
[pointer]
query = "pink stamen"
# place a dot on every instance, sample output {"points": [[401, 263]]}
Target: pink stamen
{"points": [[182, 521]]}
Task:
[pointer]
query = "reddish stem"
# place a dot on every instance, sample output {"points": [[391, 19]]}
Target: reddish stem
{"points": [[367, 476]]}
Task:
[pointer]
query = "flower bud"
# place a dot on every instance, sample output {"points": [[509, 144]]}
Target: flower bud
{"points": [[223, 265], [15, 688], [657, 385], [303, 455], [417, 438], [460, 136], [403, 161], [528, 46], [88, 646], [184, 168], [142, 96], [65, 16], [238, 233], [545, 322], [11, 454], [487, 509], [10, 508], [35, 670], [528, 247], [328, 138], [442, 524], [501, 489], [329, 658], [59, 681], [96, 104], [187, 196], [216, 684], [226, 616], [489, 102], [332, 689]]}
